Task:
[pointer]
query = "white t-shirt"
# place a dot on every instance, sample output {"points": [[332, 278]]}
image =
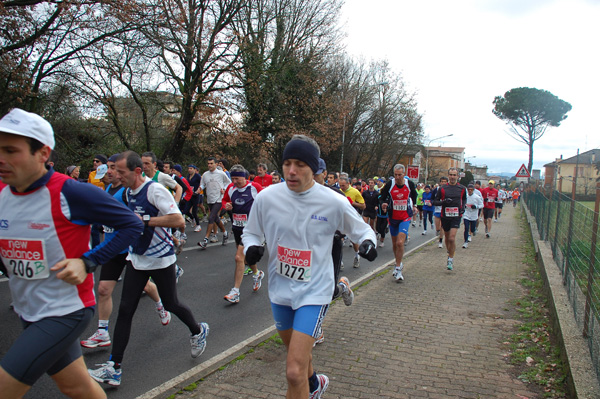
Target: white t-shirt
{"points": [[300, 240], [212, 183], [162, 199]]}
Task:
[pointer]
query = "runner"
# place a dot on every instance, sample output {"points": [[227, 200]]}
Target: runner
{"points": [[151, 256], [515, 197], [239, 197], [499, 202], [489, 205], [196, 200], [301, 277], [179, 235], [263, 178], [111, 271], [276, 177], [397, 195], [54, 297], [437, 213], [358, 203], [452, 197], [428, 208], [371, 198], [479, 211], [214, 182], [332, 180], [420, 191], [474, 204]]}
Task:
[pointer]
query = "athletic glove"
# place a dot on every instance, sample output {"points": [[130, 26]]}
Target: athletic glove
{"points": [[448, 201], [254, 253], [367, 250]]}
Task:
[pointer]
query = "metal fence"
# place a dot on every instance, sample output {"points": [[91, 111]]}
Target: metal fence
{"points": [[571, 228]]}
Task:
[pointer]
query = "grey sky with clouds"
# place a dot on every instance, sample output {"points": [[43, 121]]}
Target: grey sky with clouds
{"points": [[457, 56]]}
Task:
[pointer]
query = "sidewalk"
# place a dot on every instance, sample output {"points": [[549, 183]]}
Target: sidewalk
{"points": [[439, 334]]}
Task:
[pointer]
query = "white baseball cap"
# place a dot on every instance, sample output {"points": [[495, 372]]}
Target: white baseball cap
{"points": [[101, 171], [28, 124]]}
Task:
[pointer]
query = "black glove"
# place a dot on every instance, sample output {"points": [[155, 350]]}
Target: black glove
{"points": [[254, 253], [448, 201], [367, 250]]}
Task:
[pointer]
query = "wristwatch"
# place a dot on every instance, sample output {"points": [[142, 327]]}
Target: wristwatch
{"points": [[146, 219], [90, 265]]}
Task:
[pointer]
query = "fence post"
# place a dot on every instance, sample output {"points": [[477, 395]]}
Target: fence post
{"points": [[556, 227], [590, 282], [549, 194], [571, 215]]}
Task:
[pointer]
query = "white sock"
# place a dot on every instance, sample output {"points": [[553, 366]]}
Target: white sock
{"points": [[159, 304], [103, 324]]}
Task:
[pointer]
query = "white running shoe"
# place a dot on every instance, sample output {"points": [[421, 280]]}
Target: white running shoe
{"points": [[233, 296], [323, 384], [381, 243], [347, 293], [440, 244], [257, 280], [213, 238], [198, 341], [106, 374], [198, 229], [356, 263], [165, 316], [466, 244], [424, 232], [398, 273], [100, 338], [469, 239], [319, 340]]}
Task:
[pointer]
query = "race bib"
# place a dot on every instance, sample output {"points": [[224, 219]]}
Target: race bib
{"points": [[490, 199], [451, 212], [427, 202], [25, 258], [400, 205], [294, 263], [240, 220]]}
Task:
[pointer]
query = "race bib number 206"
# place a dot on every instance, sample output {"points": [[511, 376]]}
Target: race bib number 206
{"points": [[25, 258], [294, 263]]}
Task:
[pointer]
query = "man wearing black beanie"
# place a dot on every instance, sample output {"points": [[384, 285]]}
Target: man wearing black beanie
{"points": [[301, 273]]}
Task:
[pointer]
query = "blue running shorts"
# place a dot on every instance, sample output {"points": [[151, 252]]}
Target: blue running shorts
{"points": [[306, 319], [46, 346], [397, 228]]}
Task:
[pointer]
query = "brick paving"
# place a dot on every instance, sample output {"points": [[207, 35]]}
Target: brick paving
{"points": [[439, 334]]}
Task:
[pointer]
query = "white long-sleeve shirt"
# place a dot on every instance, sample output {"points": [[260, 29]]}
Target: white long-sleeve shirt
{"points": [[299, 230], [472, 213]]}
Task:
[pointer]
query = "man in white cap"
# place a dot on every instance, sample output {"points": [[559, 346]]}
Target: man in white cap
{"points": [[45, 218]]}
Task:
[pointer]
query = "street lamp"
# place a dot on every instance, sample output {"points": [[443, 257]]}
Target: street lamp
{"points": [[427, 154], [344, 128]]}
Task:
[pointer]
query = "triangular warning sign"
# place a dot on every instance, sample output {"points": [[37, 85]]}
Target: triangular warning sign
{"points": [[523, 172]]}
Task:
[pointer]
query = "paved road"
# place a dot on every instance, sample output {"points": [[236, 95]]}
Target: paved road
{"points": [[157, 354]]}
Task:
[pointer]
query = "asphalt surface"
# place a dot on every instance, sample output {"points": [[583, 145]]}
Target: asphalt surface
{"points": [[157, 353]]}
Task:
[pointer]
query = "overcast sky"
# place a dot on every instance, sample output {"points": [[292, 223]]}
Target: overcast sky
{"points": [[458, 55]]}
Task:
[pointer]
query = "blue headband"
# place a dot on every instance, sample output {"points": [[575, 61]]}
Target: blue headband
{"points": [[302, 151], [238, 174]]}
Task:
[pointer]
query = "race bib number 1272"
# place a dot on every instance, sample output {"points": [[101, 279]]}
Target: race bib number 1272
{"points": [[25, 258], [294, 263]]}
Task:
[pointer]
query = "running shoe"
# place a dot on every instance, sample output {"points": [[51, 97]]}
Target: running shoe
{"points": [[407, 240], [257, 280], [356, 263], [381, 244], [100, 338], [347, 294], [495, 220], [202, 244], [213, 238], [440, 244], [319, 340], [198, 229], [414, 224], [198, 341], [323, 384], [233, 296], [342, 265], [106, 374], [424, 232], [487, 235], [165, 316], [469, 238], [178, 273], [225, 237], [450, 264], [177, 234], [466, 244], [188, 220], [184, 236], [248, 271], [398, 274]]}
